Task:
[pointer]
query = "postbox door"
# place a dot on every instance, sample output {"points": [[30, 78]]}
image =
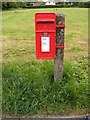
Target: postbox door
{"points": [[45, 35]]}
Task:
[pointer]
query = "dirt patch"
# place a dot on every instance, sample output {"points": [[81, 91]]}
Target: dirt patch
{"points": [[16, 50], [83, 42], [13, 43], [25, 49]]}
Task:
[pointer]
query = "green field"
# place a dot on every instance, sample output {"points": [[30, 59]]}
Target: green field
{"points": [[28, 86], [18, 33]]}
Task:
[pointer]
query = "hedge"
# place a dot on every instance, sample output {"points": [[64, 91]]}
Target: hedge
{"points": [[8, 5]]}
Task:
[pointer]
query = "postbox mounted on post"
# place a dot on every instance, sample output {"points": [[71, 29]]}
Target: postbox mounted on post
{"points": [[45, 29]]}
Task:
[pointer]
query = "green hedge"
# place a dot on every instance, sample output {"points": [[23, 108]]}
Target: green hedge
{"points": [[64, 5], [82, 4], [52, 6], [8, 5]]}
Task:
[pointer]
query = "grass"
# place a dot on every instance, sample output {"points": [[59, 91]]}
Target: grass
{"points": [[28, 86], [19, 33], [18, 22], [20, 28], [31, 89]]}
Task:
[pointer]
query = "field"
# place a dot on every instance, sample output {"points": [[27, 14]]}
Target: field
{"points": [[28, 86]]}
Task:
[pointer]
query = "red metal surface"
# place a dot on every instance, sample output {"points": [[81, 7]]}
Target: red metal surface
{"points": [[60, 26], [45, 23], [60, 47]]}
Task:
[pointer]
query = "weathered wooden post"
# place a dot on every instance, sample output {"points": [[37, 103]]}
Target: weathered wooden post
{"points": [[58, 62]]}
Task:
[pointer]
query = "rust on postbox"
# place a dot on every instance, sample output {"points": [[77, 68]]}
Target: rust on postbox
{"points": [[45, 30]]}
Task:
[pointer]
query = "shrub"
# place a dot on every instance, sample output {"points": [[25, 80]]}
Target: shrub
{"points": [[7, 5]]}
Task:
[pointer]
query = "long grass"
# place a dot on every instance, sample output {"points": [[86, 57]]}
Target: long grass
{"points": [[28, 88]]}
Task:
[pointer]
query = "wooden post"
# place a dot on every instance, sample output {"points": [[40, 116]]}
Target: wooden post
{"points": [[58, 62]]}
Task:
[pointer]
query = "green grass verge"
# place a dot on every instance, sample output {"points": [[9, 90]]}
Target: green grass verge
{"points": [[28, 88]]}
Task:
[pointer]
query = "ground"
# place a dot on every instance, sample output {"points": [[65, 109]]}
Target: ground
{"points": [[18, 37], [18, 33]]}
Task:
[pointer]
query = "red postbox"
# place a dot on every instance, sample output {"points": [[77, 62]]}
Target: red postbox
{"points": [[45, 29]]}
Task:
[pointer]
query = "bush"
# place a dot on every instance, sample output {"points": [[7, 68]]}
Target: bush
{"points": [[28, 88], [82, 4], [7, 5], [51, 6]]}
